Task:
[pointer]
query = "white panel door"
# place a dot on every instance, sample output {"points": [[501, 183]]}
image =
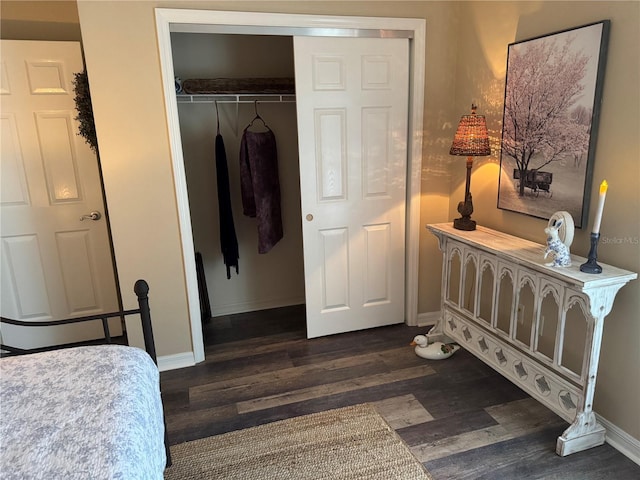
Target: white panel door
{"points": [[54, 266], [352, 106]]}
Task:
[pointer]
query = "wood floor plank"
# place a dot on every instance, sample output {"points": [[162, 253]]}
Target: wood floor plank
{"points": [[237, 389], [193, 421], [175, 399], [436, 429], [352, 343], [249, 365], [280, 412], [404, 357], [252, 346], [525, 416], [532, 456], [447, 446], [286, 374], [278, 383], [471, 464], [299, 395], [442, 398], [513, 419], [242, 326], [402, 411], [462, 366]]}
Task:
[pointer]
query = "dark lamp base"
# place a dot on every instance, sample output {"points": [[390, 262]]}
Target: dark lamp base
{"points": [[465, 209], [464, 223]]}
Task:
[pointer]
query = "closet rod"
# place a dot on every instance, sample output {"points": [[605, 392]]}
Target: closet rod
{"points": [[235, 98]]}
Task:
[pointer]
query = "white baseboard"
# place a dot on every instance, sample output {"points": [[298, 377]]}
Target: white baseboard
{"points": [[243, 307], [428, 318], [175, 361], [621, 440]]}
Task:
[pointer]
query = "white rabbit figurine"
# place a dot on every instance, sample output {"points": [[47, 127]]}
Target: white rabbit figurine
{"points": [[556, 247]]}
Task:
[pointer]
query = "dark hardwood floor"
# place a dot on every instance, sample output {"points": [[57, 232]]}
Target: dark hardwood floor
{"points": [[459, 417]]}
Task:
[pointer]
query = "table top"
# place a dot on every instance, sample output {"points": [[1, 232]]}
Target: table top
{"points": [[530, 254]]}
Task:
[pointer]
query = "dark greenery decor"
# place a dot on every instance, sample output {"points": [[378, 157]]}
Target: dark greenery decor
{"points": [[85, 110]]}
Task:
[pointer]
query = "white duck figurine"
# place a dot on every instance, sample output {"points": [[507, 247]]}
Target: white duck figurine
{"points": [[435, 351]]}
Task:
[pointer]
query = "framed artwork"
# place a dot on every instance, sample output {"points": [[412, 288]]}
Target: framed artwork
{"points": [[551, 110]]}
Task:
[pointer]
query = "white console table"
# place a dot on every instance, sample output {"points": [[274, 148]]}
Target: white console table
{"points": [[539, 326]]}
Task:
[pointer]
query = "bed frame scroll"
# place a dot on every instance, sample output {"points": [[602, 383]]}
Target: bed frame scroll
{"points": [[141, 289]]}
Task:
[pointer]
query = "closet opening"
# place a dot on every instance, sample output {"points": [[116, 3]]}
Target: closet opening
{"points": [[295, 26], [271, 282]]}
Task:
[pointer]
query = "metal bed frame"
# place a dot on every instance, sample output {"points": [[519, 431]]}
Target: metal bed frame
{"points": [[141, 289]]}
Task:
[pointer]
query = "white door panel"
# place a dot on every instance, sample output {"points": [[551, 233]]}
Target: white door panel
{"points": [[352, 103], [54, 266]]}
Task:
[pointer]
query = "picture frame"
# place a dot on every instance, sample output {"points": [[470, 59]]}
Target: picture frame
{"points": [[552, 100]]}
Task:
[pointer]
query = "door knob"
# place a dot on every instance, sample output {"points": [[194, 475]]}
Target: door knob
{"points": [[92, 216], [309, 217]]}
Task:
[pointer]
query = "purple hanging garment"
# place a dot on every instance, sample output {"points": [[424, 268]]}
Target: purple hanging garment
{"points": [[260, 185]]}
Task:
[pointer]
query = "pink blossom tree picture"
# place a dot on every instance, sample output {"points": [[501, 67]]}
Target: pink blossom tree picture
{"points": [[551, 111]]}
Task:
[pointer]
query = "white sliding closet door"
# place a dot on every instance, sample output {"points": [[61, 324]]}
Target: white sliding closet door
{"points": [[352, 107]]}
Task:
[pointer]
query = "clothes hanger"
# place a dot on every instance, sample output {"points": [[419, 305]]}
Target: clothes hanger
{"points": [[217, 118], [257, 117]]}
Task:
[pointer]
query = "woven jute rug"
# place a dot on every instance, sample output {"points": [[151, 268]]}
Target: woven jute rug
{"points": [[347, 443]]}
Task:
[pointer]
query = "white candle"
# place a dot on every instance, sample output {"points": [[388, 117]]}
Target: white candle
{"points": [[603, 193]]}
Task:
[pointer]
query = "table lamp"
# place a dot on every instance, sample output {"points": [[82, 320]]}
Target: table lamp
{"points": [[471, 140]]}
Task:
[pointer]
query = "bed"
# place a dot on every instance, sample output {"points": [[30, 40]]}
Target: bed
{"points": [[85, 412]]}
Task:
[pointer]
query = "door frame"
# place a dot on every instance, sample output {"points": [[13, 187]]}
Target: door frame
{"points": [[250, 23]]}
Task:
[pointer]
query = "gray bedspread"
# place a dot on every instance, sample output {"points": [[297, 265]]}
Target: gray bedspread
{"points": [[81, 413]]}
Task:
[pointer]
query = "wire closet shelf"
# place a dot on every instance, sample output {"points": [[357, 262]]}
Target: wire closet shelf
{"points": [[235, 98]]}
